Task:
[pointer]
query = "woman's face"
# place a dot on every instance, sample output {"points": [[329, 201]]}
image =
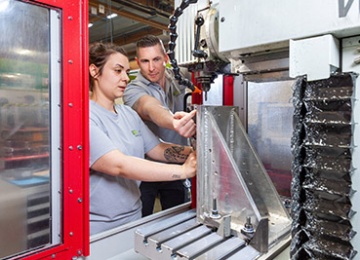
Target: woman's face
{"points": [[114, 77]]}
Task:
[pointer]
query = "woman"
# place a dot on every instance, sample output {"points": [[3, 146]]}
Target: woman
{"points": [[118, 142]]}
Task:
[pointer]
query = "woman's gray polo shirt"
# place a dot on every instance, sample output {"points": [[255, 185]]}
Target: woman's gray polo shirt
{"points": [[115, 200]]}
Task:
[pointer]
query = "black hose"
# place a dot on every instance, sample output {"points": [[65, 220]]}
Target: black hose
{"points": [[173, 36]]}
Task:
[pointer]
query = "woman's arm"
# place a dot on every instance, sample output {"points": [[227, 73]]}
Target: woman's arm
{"points": [[118, 164]]}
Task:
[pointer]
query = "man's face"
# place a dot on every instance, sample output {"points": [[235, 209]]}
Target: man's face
{"points": [[152, 61]]}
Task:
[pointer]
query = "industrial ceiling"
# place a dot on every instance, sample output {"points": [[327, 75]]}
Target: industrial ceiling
{"points": [[133, 19]]}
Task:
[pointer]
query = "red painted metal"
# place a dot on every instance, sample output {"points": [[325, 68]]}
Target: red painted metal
{"points": [[75, 133], [228, 90], [196, 95], [196, 99]]}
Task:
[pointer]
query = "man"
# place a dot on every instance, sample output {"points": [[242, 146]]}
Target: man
{"points": [[159, 100]]}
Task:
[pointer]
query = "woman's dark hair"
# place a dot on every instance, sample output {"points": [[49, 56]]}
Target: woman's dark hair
{"points": [[99, 53]]}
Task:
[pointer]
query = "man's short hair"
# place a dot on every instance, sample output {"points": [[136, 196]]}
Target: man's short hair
{"points": [[149, 41]]}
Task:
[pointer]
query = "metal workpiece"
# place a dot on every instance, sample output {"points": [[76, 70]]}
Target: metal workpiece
{"points": [[239, 213], [234, 184]]}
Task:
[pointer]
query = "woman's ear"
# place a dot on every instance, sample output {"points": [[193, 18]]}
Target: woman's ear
{"points": [[93, 70]]}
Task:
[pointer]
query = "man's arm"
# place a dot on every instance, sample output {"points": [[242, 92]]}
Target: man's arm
{"points": [[149, 108]]}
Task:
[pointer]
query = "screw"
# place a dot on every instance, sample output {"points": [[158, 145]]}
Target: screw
{"points": [[214, 211], [248, 227]]}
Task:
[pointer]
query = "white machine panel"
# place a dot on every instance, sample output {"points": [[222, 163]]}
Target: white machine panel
{"points": [[315, 57], [257, 25]]}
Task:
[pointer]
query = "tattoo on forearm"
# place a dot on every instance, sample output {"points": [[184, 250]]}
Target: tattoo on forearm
{"points": [[176, 176], [174, 154]]}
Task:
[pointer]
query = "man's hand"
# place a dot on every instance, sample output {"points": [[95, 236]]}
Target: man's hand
{"points": [[184, 124], [149, 108]]}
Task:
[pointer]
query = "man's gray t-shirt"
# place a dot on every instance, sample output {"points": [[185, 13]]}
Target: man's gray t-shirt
{"points": [[115, 200], [172, 98]]}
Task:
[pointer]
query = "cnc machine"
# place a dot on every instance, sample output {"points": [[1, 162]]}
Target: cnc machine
{"points": [[313, 47]]}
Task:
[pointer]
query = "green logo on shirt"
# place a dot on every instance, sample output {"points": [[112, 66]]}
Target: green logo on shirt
{"points": [[135, 132]]}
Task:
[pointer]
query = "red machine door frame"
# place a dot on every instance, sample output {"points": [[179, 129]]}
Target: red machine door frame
{"points": [[74, 124]]}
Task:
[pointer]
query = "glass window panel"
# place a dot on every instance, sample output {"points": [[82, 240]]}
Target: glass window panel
{"points": [[27, 219], [270, 128]]}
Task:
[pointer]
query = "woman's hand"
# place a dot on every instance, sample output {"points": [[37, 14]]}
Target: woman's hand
{"points": [[190, 165]]}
